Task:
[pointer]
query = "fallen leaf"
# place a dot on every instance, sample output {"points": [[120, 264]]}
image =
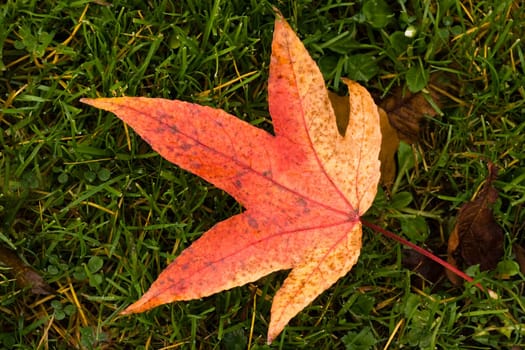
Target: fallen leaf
{"points": [[389, 146], [519, 252], [25, 276], [477, 238], [341, 107], [406, 111], [303, 189], [425, 268]]}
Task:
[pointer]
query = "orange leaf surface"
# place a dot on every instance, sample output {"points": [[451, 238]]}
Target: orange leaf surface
{"points": [[304, 188]]}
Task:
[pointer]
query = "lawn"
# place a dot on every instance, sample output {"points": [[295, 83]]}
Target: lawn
{"points": [[98, 214]]}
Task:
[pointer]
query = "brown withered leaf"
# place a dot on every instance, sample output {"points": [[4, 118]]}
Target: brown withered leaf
{"points": [[341, 108], [25, 276], [477, 238], [406, 112], [519, 252], [387, 154], [389, 141], [426, 269]]}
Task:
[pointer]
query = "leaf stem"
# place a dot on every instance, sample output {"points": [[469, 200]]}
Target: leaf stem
{"points": [[425, 253]]}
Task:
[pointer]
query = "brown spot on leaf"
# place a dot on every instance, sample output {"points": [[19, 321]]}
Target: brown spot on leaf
{"points": [[253, 222], [186, 147], [302, 203], [237, 183]]}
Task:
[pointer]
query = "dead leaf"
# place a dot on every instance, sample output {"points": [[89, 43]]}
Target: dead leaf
{"points": [[425, 268], [304, 188], [477, 238], [25, 276], [406, 111], [519, 252], [341, 106], [389, 146]]}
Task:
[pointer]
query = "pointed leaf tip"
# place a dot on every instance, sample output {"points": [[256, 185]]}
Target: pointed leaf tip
{"points": [[86, 100], [277, 13]]}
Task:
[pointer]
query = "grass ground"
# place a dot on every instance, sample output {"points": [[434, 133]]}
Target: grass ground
{"points": [[99, 215]]}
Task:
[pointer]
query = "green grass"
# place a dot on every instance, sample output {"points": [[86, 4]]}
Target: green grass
{"points": [[89, 205]]}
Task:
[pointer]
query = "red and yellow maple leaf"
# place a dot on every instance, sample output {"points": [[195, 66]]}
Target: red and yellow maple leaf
{"points": [[303, 189]]}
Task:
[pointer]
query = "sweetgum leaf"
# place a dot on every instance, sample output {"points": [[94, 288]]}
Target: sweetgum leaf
{"points": [[304, 188]]}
